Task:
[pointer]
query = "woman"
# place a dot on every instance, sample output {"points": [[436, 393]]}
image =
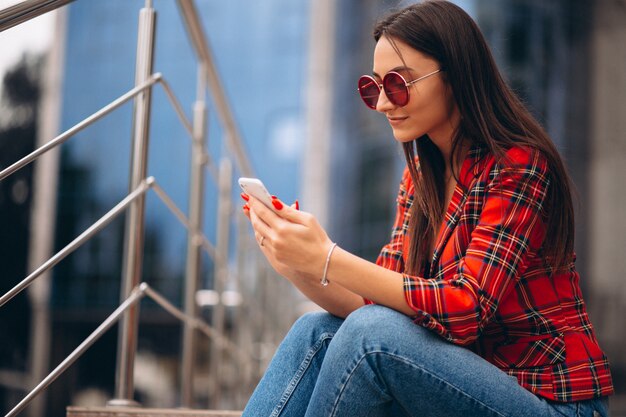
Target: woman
{"points": [[474, 307]]}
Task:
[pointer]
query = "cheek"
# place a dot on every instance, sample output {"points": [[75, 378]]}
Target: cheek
{"points": [[431, 111], [427, 112], [425, 116]]}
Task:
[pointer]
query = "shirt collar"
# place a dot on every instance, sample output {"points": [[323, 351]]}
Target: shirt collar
{"points": [[473, 164]]}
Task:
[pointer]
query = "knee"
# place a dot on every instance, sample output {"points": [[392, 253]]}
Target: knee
{"points": [[370, 317], [315, 325], [377, 326]]}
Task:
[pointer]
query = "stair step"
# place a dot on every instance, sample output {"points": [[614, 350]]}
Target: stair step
{"points": [[146, 412]]}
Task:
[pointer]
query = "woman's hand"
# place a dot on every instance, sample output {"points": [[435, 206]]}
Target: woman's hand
{"points": [[280, 268], [293, 241]]}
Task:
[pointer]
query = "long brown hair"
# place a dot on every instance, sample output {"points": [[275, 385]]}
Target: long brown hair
{"points": [[492, 117]]}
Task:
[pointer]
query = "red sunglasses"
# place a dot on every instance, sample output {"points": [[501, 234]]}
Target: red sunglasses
{"points": [[395, 86]]}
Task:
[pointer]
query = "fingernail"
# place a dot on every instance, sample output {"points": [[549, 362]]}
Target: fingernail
{"points": [[277, 204], [245, 196], [297, 205], [274, 197], [246, 206]]}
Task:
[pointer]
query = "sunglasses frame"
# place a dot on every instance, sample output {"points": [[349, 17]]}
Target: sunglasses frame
{"points": [[381, 87]]}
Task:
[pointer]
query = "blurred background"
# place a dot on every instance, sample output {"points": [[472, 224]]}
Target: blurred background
{"points": [[288, 69]]}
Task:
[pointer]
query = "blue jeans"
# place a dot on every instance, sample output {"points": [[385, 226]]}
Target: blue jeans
{"points": [[377, 362]]}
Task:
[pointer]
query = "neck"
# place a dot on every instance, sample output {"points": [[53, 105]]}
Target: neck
{"points": [[442, 138], [457, 163]]}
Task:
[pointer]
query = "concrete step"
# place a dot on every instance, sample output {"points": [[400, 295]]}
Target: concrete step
{"points": [[146, 412]]}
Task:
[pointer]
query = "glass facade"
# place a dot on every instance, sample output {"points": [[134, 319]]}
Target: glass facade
{"points": [[260, 51]]}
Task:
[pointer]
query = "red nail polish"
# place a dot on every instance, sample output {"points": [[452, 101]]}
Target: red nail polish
{"points": [[246, 207], [297, 205], [277, 204], [274, 197], [245, 196]]}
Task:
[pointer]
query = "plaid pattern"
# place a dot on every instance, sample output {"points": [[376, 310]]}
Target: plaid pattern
{"points": [[490, 287]]}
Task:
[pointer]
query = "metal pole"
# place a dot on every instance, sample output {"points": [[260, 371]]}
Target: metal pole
{"points": [[242, 323], [25, 10], [134, 233], [205, 55], [69, 133], [77, 242], [221, 272], [135, 296], [194, 241]]}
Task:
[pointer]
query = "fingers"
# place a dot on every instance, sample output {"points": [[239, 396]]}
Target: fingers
{"points": [[266, 214], [260, 227], [276, 202], [291, 213], [272, 218]]}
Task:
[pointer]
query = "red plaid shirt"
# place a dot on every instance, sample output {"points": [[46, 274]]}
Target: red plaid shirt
{"points": [[490, 288]]}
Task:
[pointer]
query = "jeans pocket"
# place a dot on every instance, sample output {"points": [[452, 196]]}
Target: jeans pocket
{"points": [[587, 408], [593, 408], [566, 409]]}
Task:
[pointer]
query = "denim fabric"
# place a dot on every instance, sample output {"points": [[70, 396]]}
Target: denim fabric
{"points": [[377, 362]]}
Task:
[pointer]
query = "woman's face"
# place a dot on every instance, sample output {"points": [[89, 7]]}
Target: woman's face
{"points": [[431, 108]]}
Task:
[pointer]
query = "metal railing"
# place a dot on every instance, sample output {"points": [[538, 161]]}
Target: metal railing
{"points": [[132, 290], [142, 290], [27, 10]]}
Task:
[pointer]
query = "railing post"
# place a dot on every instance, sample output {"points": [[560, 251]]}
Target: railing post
{"points": [[134, 231], [221, 273], [194, 241], [243, 323]]}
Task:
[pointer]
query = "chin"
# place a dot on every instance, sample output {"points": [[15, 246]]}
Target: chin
{"points": [[406, 136]]}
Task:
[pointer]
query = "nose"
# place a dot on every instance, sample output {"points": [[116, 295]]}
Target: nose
{"points": [[383, 105]]}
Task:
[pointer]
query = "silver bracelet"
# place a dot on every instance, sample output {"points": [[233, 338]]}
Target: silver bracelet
{"points": [[324, 281]]}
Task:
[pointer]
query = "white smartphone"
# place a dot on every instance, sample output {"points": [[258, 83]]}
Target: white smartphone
{"points": [[255, 188]]}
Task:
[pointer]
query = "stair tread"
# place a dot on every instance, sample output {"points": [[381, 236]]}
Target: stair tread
{"points": [[146, 412]]}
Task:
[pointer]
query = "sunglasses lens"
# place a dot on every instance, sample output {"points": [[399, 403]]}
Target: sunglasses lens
{"points": [[369, 91], [396, 89]]}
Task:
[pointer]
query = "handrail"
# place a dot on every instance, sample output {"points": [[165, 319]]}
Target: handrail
{"points": [[178, 213], [137, 294], [208, 76], [63, 137], [99, 225], [27, 10], [94, 117], [177, 107], [82, 238], [198, 324], [200, 44]]}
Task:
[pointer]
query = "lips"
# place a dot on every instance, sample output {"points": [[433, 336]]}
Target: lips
{"points": [[396, 120]]}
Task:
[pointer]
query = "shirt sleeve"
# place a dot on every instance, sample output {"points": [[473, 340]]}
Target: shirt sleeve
{"points": [[509, 232], [390, 256]]}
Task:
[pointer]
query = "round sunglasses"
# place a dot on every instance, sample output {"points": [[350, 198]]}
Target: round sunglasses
{"points": [[395, 86]]}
